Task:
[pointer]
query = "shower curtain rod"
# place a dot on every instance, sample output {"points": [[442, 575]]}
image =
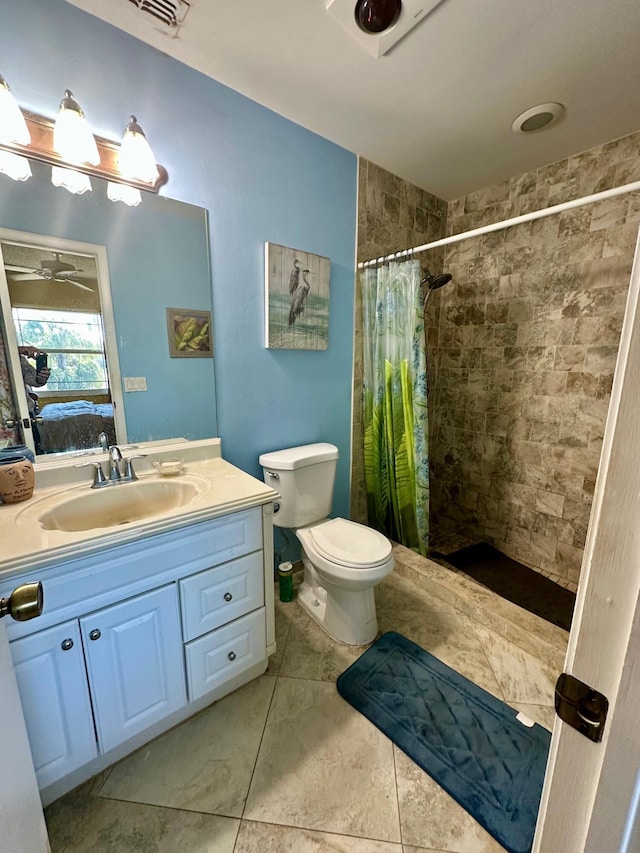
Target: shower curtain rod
{"points": [[506, 223]]}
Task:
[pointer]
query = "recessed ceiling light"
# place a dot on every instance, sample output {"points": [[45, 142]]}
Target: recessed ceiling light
{"points": [[537, 118]]}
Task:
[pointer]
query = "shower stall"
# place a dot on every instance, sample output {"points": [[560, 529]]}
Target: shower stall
{"points": [[521, 348]]}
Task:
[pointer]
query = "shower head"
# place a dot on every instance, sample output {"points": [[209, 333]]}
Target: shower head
{"points": [[433, 282]]}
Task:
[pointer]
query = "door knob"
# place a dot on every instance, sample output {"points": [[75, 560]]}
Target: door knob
{"points": [[95, 634], [25, 602]]}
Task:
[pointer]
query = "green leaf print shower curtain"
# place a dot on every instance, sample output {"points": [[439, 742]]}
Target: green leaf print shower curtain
{"points": [[396, 434]]}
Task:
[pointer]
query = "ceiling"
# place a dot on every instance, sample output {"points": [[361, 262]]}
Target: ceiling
{"points": [[437, 109]]}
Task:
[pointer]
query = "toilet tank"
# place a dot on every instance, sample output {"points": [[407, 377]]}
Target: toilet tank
{"points": [[304, 476]]}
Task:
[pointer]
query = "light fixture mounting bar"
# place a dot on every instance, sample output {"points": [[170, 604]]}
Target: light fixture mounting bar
{"points": [[41, 148]]}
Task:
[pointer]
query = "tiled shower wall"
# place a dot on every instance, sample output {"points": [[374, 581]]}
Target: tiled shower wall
{"points": [[392, 215], [523, 344]]}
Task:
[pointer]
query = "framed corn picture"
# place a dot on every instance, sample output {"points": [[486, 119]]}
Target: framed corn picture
{"points": [[189, 333]]}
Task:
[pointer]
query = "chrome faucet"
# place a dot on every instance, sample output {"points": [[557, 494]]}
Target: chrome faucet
{"points": [[104, 441], [115, 458], [115, 475]]}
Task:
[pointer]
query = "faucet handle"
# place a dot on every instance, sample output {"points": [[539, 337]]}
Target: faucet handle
{"points": [[98, 478], [130, 474]]}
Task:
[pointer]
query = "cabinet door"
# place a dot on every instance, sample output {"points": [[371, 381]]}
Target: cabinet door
{"points": [[135, 664], [51, 678]]}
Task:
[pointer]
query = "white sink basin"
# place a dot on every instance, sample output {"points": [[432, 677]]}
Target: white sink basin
{"points": [[121, 504]]}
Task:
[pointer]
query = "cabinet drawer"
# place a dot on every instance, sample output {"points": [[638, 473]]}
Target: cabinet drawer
{"points": [[213, 598], [225, 653]]}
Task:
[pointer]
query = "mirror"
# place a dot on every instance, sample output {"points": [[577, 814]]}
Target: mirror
{"points": [[155, 256]]}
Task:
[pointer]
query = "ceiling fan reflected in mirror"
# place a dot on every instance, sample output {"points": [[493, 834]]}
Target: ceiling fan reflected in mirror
{"points": [[54, 269]]}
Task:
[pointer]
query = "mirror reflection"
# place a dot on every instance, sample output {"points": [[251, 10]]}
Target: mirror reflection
{"points": [[153, 257], [53, 300]]}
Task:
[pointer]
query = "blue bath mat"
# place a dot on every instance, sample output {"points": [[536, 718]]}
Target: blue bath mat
{"points": [[468, 741]]}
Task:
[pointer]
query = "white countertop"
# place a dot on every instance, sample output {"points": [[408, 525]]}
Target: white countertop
{"points": [[222, 488]]}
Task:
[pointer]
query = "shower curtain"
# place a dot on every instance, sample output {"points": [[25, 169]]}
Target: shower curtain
{"points": [[396, 436]]}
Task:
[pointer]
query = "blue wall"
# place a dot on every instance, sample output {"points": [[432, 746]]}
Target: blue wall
{"points": [[261, 177]]}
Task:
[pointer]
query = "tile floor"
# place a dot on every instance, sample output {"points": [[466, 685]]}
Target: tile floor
{"points": [[284, 764]]}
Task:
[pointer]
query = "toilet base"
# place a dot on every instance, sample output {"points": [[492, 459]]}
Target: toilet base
{"points": [[346, 616]]}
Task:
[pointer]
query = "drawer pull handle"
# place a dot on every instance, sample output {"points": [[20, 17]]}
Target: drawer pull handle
{"points": [[227, 596], [95, 634], [67, 644], [231, 655]]}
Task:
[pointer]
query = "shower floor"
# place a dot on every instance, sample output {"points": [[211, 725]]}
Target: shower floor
{"points": [[443, 543]]}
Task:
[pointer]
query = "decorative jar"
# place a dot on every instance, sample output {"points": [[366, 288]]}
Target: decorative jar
{"points": [[17, 478]]}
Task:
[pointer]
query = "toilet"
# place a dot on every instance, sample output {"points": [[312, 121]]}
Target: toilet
{"points": [[343, 561]]}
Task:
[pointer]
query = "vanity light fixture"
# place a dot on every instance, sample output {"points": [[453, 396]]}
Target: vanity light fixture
{"points": [[74, 142], [70, 147], [136, 157], [13, 128], [136, 161], [72, 136]]}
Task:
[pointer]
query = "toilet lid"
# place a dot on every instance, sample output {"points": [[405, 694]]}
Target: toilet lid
{"points": [[350, 544]]}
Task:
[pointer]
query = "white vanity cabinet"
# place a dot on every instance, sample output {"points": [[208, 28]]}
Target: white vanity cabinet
{"points": [[133, 661], [140, 637]]}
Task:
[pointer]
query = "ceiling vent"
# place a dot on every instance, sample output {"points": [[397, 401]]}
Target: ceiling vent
{"points": [[170, 12], [346, 12]]}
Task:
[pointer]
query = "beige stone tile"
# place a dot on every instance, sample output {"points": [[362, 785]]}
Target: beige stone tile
{"points": [[260, 837], [530, 632], [283, 626], [398, 593], [106, 826], [204, 764], [544, 715], [311, 653], [323, 766], [431, 819], [522, 677], [451, 638]]}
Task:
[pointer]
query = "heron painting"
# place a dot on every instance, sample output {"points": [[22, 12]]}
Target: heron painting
{"points": [[296, 299]]}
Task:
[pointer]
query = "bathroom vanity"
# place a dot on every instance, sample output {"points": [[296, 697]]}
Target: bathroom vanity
{"points": [[145, 622]]}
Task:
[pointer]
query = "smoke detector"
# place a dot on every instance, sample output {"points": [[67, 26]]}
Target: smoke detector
{"points": [[169, 12], [377, 25]]}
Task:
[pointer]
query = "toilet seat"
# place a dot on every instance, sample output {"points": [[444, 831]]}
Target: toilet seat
{"points": [[349, 544]]}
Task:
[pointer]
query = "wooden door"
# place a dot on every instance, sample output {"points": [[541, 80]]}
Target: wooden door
{"points": [[584, 808], [21, 817]]}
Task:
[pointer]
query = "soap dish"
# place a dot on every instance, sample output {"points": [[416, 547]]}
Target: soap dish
{"points": [[168, 467]]}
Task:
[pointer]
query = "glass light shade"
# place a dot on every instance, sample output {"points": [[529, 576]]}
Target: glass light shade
{"points": [[13, 127], [136, 160], [75, 182], [72, 136], [15, 166], [122, 192]]}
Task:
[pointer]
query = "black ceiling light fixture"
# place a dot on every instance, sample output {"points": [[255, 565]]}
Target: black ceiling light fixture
{"points": [[377, 16]]}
